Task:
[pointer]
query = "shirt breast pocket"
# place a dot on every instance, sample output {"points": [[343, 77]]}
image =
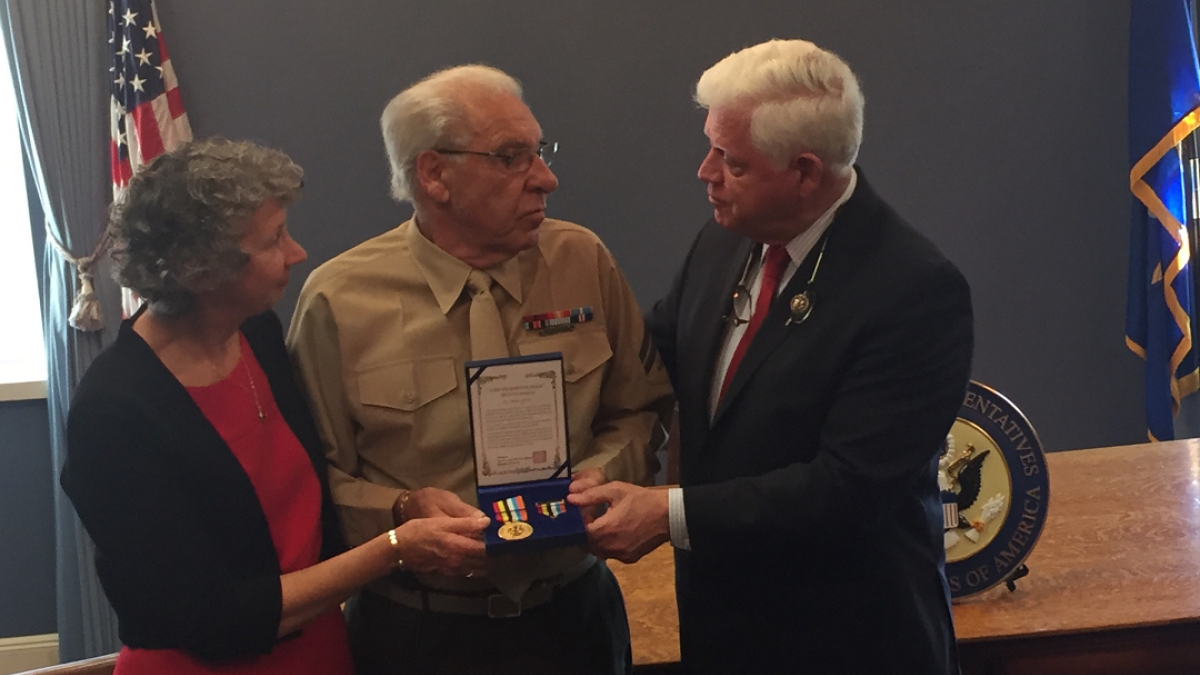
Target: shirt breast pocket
{"points": [[586, 354], [408, 384], [409, 422]]}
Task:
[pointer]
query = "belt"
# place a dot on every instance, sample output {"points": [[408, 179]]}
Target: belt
{"points": [[490, 603]]}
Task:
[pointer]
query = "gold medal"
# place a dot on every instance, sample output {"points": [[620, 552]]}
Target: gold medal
{"points": [[515, 530]]}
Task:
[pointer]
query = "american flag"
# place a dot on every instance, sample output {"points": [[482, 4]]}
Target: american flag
{"points": [[147, 111]]}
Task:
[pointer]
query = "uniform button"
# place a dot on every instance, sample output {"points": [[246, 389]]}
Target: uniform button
{"points": [[570, 370], [408, 397]]}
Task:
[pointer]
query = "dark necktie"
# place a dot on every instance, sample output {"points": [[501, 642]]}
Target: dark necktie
{"points": [[774, 263]]}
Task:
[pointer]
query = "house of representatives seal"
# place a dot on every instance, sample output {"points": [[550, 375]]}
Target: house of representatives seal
{"points": [[995, 492]]}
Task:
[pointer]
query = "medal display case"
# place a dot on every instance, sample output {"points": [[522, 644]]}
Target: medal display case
{"points": [[522, 453]]}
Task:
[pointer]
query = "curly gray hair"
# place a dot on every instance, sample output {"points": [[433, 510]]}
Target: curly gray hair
{"points": [[178, 226]]}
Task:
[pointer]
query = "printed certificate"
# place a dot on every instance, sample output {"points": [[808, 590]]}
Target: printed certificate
{"points": [[518, 418]]}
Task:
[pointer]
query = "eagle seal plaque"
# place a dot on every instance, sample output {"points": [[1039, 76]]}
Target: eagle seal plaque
{"points": [[995, 492]]}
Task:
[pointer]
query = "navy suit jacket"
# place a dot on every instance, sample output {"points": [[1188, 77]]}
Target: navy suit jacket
{"points": [[811, 496]]}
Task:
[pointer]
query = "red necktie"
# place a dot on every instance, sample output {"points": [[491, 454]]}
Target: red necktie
{"points": [[774, 263]]}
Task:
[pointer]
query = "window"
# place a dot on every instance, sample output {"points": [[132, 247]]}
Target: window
{"points": [[22, 352]]}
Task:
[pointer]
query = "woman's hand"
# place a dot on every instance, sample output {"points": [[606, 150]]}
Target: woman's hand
{"points": [[449, 546]]}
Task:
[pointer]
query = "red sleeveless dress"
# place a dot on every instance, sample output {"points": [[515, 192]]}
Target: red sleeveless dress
{"points": [[290, 495]]}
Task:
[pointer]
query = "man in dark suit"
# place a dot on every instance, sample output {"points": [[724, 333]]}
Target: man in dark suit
{"points": [[819, 347]]}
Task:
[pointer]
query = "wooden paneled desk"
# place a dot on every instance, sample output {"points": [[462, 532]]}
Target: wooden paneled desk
{"points": [[1114, 583]]}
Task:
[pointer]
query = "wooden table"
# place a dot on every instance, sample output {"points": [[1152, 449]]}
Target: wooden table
{"points": [[1114, 584], [649, 588]]}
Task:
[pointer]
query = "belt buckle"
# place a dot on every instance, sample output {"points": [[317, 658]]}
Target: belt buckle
{"points": [[500, 606]]}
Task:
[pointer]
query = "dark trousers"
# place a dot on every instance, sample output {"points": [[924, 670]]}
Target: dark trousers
{"points": [[582, 630]]}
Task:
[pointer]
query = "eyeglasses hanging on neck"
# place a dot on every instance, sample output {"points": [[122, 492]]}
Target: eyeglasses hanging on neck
{"points": [[800, 306]]}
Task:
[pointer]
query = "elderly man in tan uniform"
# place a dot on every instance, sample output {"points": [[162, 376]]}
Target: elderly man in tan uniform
{"points": [[380, 336]]}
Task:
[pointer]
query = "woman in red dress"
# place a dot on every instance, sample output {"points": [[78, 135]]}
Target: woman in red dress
{"points": [[191, 456]]}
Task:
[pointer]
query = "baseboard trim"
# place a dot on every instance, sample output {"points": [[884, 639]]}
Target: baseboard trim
{"points": [[28, 652]]}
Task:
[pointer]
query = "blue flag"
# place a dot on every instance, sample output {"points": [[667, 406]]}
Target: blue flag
{"points": [[1164, 108]]}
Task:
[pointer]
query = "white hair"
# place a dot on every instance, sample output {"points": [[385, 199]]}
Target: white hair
{"points": [[433, 112], [801, 99]]}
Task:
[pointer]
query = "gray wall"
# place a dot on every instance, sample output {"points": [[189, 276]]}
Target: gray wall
{"points": [[996, 128], [26, 521]]}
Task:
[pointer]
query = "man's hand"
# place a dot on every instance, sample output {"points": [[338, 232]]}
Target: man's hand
{"points": [[431, 502], [635, 523], [582, 481], [587, 479], [449, 546]]}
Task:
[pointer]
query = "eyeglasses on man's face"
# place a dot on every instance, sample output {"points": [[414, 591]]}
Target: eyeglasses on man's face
{"points": [[519, 160]]}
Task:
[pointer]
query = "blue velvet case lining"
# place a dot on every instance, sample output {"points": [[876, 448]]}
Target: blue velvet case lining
{"points": [[548, 532]]}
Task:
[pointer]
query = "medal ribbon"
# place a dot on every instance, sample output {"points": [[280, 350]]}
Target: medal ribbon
{"points": [[511, 510], [562, 317], [552, 509]]}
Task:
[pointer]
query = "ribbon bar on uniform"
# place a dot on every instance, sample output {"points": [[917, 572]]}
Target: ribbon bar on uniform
{"points": [[562, 317]]}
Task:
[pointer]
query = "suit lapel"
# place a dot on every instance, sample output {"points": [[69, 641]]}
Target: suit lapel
{"points": [[845, 236], [711, 320], [771, 333]]}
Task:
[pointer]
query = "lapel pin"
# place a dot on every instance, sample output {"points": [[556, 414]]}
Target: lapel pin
{"points": [[801, 307]]}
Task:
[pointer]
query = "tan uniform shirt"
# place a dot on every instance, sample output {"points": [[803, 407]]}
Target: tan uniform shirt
{"points": [[379, 339]]}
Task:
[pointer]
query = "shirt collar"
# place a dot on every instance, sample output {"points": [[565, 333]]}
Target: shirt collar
{"points": [[447, 275], [799, 247]]}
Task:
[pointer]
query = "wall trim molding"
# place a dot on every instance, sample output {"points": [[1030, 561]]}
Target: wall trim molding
{"points": [[22, 391], [28, 652]]}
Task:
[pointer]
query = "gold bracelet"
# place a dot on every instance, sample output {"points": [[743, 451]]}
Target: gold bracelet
{"points": [[395, 547]]}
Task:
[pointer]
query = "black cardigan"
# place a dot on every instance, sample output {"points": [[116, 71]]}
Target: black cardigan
{"points": [[183, 550]]}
